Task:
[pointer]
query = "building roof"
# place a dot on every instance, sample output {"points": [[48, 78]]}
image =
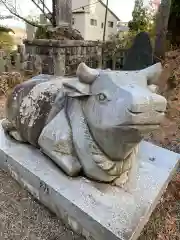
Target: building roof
{"points": [[123, 28], [110, 10], [104, 5], [79, 12]]}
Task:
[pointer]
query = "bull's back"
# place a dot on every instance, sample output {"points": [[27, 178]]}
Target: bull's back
{"points": [[18, 93], [29, 104]]}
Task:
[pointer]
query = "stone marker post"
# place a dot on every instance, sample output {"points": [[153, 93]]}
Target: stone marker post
{"points": [[59, 63], [21, 51], [30, 30], [2, 65], [18, 64], [63, 12], [43, 19], [2, 61]]}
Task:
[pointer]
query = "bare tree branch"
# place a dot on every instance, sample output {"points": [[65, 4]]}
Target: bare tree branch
{"points": [[45, 7], [51, 16], [39, 7], [14, 12]]}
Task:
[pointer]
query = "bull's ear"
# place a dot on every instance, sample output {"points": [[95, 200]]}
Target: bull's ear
{"points": [[74, 88], [153, 73], [86, 74]]}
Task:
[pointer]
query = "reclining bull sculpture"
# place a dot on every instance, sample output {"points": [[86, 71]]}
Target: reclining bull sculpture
{"points": [[91, 124]]}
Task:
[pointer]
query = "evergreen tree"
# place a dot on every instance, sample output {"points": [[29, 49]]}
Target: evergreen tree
{"points": [[140, 20]]}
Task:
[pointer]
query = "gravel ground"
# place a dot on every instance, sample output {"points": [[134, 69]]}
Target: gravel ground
{"points": [[23, 218]]}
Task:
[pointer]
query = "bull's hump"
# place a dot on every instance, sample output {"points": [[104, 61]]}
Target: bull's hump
{"points": [[35, 108], [30, 106]]}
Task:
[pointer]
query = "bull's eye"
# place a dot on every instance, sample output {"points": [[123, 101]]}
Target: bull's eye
{"points": [[102, 97]]}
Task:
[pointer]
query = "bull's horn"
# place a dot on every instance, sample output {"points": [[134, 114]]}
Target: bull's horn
{"points": [[86, 74], [153, 73]]}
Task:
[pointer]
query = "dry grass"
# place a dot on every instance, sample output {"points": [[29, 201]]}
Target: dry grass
{"points": [[164, 223]]}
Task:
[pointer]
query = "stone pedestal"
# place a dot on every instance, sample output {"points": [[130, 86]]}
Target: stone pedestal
{"points": [[97, 211]]}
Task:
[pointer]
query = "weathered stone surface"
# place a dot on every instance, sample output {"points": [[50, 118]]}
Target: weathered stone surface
{"points": [[2, 65], [30, 30], [65, 55], [9, 80], [63, 12], [95, 210], [63, 32], [105, 113], [140, 55]]}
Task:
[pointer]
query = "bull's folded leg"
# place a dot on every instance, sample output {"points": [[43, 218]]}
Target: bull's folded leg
{"points": [[56, 142], [69, 164]]}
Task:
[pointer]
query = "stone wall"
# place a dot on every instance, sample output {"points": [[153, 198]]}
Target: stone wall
{"points": [[61, 57], [114, 61]]}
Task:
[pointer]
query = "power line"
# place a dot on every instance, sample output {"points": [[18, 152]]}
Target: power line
{"points": [[86, 5], [15, 6]]}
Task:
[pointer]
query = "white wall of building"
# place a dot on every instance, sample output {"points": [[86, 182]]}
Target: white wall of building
{"points": [[76, 4], [79, 23], [92, 25]]}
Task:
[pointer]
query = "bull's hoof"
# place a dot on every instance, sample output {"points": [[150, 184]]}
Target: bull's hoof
{"points": [[7, 125], [16, 136]]}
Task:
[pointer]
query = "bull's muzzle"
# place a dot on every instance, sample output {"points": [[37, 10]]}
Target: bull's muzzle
{"points": [[146, 107]]}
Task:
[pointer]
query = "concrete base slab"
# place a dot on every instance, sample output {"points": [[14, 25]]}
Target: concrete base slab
{"points": [[97, 211]]}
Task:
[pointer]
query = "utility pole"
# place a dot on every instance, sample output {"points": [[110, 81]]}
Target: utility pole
{"points": [[105, 21], [54, 13], [161, 28]]}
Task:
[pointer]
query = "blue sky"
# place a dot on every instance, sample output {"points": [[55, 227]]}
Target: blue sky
{"points": [[122, 8]]}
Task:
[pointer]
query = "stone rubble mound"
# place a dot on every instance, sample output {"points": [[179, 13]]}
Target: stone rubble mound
{"points": [[60, 33], [8, 80]]}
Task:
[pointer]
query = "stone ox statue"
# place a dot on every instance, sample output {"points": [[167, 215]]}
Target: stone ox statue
{"points": [[91, 124]]}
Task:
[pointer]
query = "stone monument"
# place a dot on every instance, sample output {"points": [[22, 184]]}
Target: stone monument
{"points": [[92, 123], [140, 55]]}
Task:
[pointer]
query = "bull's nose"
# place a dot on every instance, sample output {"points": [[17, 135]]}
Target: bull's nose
{"points": [[148, 102]]}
